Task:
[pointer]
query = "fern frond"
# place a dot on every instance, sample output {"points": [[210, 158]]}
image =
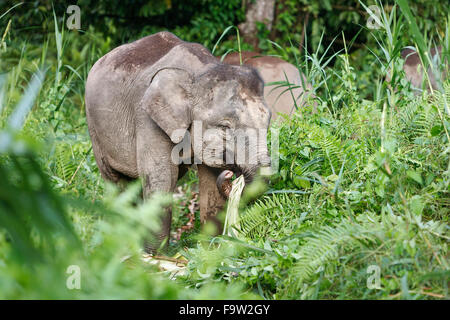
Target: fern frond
{"points": [[65, 164], [259, 219], [325, 244]]}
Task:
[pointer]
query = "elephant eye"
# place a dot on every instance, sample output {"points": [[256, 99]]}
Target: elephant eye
{"points": [[224, 125]]}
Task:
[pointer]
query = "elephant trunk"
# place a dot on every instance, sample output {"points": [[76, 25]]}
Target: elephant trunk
{"points": [[223, 183], [257, 160], [249, 171]]}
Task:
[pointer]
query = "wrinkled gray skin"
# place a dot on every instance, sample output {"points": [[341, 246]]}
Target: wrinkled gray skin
{"points": [[273, 69], [138, 94]]}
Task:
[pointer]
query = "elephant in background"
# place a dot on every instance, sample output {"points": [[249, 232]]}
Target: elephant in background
{"points": [[273, 69], [146, 98], [414, 69]]}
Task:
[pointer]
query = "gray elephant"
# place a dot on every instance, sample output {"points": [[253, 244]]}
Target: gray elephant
{"points": [[273, 69], [147, 98], [414, 69]]}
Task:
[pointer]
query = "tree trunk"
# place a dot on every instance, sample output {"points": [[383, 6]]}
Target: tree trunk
{"points": [[257, 11]]}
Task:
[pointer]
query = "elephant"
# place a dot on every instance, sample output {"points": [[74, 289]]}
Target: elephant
{"points": [[149, 99], [414, 69], [273, 69]]}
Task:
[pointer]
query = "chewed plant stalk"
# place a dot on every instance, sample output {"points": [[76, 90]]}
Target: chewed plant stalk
{"points": [[232, 221]]}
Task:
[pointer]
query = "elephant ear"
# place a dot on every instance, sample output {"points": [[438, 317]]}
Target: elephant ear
{"points": [[168, 101]]}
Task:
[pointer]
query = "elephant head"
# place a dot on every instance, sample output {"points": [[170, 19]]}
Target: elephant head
{"points": [[219, 114]]}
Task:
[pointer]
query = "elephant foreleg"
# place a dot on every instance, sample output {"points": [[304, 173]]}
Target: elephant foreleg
{"points": [[158, 173]]}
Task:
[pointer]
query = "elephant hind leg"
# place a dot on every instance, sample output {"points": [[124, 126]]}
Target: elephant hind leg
{"points": [[106, 170]]}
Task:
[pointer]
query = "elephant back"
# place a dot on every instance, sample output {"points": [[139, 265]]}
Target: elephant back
{"points": [[141, 53]]}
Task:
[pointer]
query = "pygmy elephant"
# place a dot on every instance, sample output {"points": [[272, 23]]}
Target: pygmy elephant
{"points": [[272, 69], [413, 67], [148, 100]]}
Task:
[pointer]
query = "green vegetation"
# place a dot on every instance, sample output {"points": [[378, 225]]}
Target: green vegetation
{"points": [[363, 176]]}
